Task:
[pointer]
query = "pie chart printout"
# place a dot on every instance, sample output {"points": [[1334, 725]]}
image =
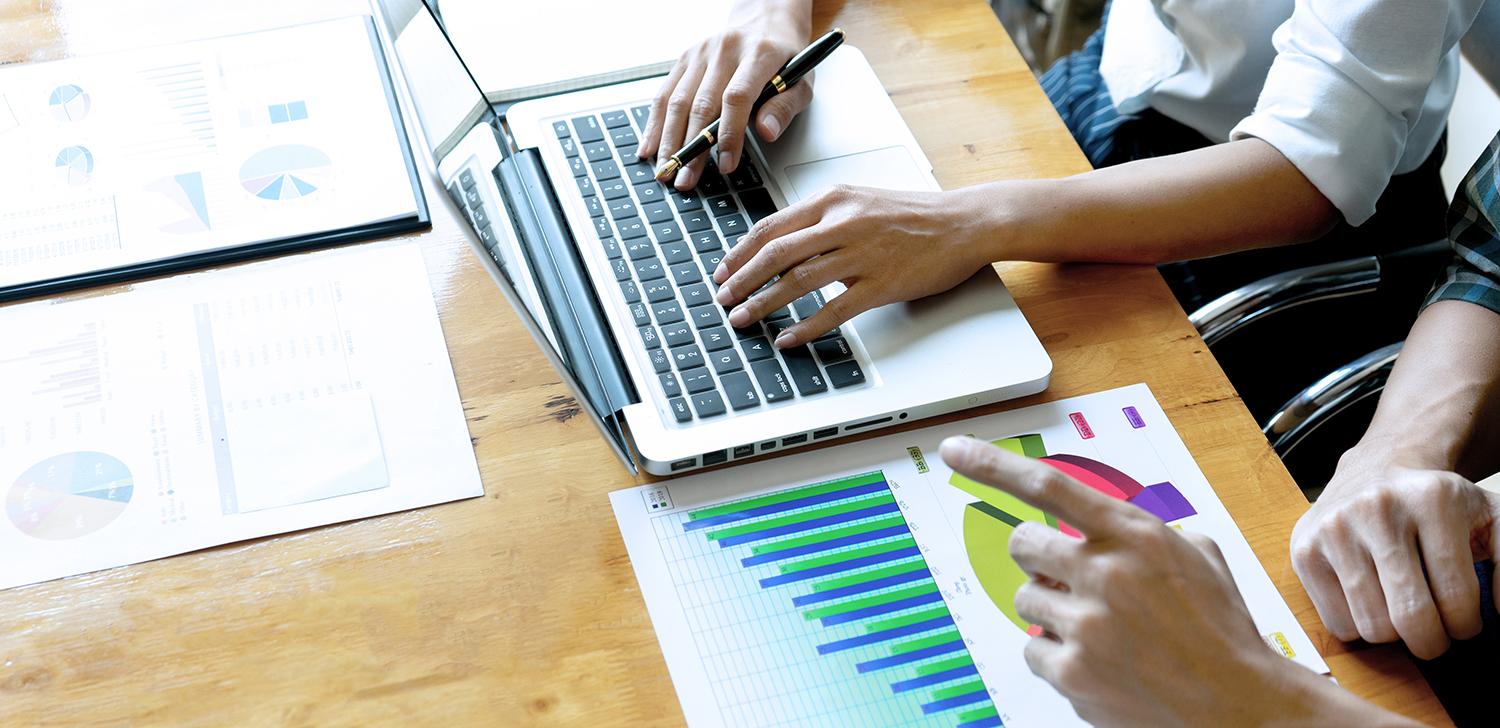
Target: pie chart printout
{"points": [[69, 495], [284, 172], [69, 103], [75, 165], [989, 522]]}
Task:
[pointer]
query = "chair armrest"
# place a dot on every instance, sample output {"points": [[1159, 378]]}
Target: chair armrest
{"points": [[1328, 396], [1228, 313]]}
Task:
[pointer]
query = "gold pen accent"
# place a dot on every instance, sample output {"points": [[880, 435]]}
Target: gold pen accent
{"points": [[708, 136], [777, 82], [667, 169]]}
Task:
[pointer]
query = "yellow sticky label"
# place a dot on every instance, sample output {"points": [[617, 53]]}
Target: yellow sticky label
{"points": [[917, 459], [1278, 642]]}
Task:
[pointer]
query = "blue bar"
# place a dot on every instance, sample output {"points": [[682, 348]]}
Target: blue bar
{"points": [[886, 608], [955, 702], [933, 679], [913, 656], [790, 505], [812, 548], [869, 586], [827, 569], [889, 634], [809, 525], [990, 722]]}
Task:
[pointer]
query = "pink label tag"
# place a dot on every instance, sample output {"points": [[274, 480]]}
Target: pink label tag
{"points": [[1082, 425]]}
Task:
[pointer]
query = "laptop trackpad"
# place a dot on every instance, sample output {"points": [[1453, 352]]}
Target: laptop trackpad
{"points": [[891, 168]]}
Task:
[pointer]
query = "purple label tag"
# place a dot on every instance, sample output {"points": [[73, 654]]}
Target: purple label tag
{"points": [[1134, 418]]}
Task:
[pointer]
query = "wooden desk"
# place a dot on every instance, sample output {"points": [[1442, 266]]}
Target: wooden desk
{"points": [[521, 607]]}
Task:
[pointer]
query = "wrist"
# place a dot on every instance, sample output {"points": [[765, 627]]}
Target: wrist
{"points": [[1004, 221], [1297, 696]]}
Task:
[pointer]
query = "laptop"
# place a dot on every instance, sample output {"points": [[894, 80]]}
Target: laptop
{"points": [[612, 271]]}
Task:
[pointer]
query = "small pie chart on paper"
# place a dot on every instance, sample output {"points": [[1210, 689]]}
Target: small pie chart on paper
{"points": [[69, 495], [285, 172], [69, 103]]}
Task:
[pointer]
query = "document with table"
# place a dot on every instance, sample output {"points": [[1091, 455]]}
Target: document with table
{"points": [[128, 164], [221, 406], [868, 584]]}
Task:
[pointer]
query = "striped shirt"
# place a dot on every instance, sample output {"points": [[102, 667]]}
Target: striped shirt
{"points": [[1475, 273]]}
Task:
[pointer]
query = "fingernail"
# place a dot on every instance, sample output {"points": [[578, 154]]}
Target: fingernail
{"points": [[785, 339], [721, 273], [724, 159], [686, 178], [773, 127], [723, 297], [739, 317]]}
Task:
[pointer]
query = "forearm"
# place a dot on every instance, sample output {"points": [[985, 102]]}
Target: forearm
{"points": [[1215, 200], [1307, 699], [1438, 409]]}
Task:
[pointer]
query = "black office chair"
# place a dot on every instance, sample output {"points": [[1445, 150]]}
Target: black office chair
{"points": [[1337, 325]]}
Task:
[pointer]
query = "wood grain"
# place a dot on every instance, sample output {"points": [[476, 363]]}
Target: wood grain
{"points": [[520, 608]]}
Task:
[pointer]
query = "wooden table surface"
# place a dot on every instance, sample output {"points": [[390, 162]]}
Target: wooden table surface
{"points": [[520, 607]]}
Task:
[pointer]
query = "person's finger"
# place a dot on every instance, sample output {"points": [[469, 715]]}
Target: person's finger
{"points": [[739, 95], [774, 257], [1045, 552], [803, 278], [702, 112], [679, 107], [838, 309], [782, 222], [651, 135], [1408, 603], [1322, 585], [1045, 655], [776, 114], [1087, 510], [1052, 610], [1210, 550], [1449, 561], [1361, 583]]}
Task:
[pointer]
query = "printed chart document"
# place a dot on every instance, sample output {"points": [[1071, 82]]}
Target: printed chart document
{"points": [[128, 162], [217, 407], [870, 585]]}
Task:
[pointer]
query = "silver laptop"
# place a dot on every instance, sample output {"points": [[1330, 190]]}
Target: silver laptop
{"points": [[611, 270]]}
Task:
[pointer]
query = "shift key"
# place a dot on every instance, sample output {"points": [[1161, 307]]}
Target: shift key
{"points": [[805, 373]]}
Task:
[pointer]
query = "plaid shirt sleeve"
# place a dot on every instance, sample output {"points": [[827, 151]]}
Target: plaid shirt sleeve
{"points": [[1474, 275]]}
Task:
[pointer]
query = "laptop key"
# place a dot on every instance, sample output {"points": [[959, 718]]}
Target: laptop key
{"points": [[642, 114], [560, 128], [711, 260], [606, 169], [774, 327], [708, 404], [632, 294], [749, 332], [615, 189], [667, 232], [473, 199], [832, 350], [684, 201], [639, 314], [569, 147], [487, 236], [731, 226], [466, 178], [623, 137], [631, 228], [745, 176], [595, 207], [780, 314], [621, 208], [773, 381], [669, 384], [697, 221], [717, 339], [711, 184], [805, 373], [596, 151], [627, 154], [679, 407], [616, 119], [661, 361], [658, 291], [650, 192], [739, 392], [587, 128], [621, 269], [678, 334], [757, 348], [726, 361], [846, 374], [685, 274], [687, 357], [697, 380], [706, 241], [677, 251], [637, 172], [612, 248], [585, 186], [808, 305], [649, 337], [722, 206], [658, 212], [579, 167], [649, 269], [601, 226], [667, 312], [705, 316], [696, 294], [758, 204], [639, 248], [481, 218]]}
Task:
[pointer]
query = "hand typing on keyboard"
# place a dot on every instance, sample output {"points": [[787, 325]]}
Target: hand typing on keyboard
{"points": [[885, 246], [723, 75]]}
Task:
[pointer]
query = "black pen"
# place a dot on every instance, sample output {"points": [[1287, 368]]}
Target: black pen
{"points": [[784, 79]]}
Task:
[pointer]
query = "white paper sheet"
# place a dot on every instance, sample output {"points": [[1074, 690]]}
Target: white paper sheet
{"points": [[221, 406], [147, 155], [766, 624]]}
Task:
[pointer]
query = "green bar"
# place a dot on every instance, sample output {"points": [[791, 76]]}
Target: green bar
{"points": [[948, 635], [900, 567], [828, 535], [934, 668], [874, 499], [980, 714], [957, 690], [786, 495], [895, 622], [834, 558], [870, 601]]}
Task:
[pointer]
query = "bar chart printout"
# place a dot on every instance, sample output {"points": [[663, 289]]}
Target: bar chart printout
{"points": [[813, 605]]}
